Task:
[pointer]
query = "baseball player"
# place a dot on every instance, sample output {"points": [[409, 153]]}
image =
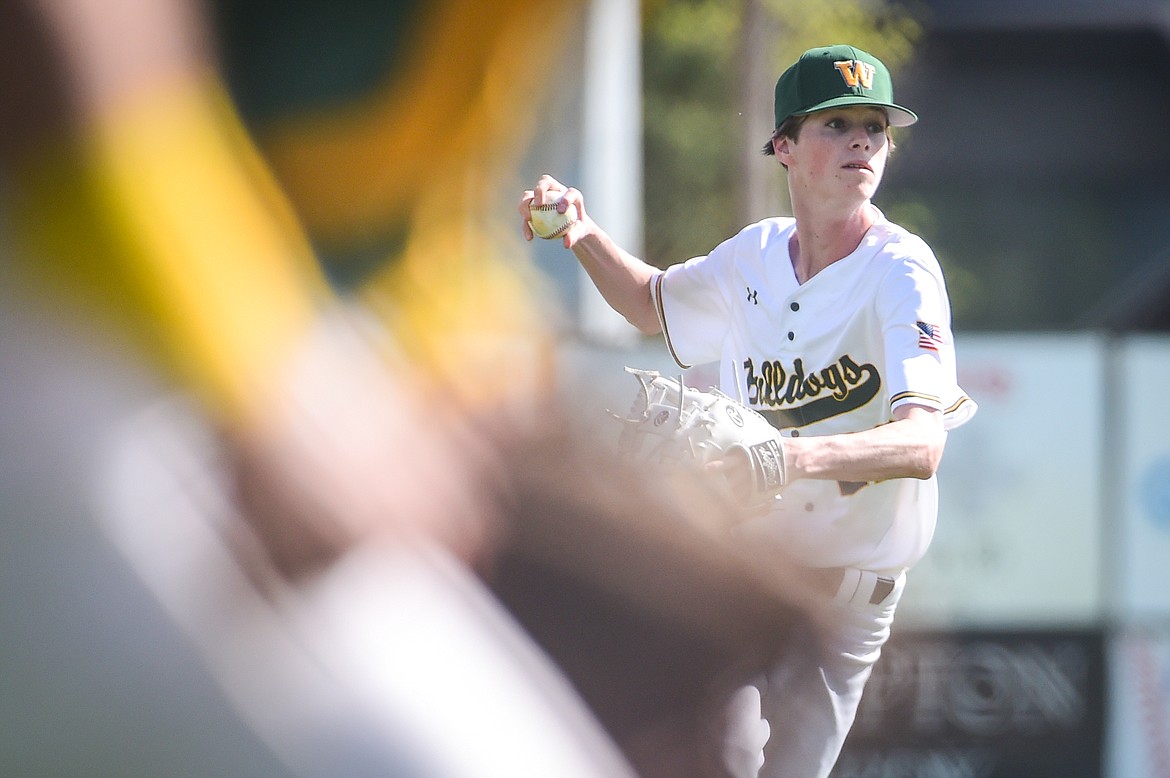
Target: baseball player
{"points": [[835, 325]]}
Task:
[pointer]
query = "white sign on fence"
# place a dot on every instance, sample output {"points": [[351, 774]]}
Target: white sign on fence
{"points": [[1018, 531]]}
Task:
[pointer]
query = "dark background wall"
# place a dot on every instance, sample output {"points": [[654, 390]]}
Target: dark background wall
{"points": [[1041, 169]]}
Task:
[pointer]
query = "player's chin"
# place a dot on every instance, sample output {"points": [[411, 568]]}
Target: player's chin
{"points": [[873, 180], [863, 187], [859, 178]]}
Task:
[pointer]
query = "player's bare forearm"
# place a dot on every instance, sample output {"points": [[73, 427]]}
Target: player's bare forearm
{"points": [[911, 446], [623, 279]]}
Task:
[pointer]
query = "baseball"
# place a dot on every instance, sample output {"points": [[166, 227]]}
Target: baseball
{"points": [[548, 223]]}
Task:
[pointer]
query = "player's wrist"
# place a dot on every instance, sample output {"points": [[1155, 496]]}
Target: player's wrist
{"points": [[766, 467]]}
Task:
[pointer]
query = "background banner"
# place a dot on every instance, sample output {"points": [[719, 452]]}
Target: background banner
{"points": [[982, 704]]}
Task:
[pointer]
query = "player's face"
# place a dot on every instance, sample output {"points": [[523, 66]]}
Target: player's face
{"points": [[840, 155]]}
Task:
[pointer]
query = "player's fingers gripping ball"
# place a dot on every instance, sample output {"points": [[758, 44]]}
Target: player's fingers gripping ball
{"points": [[671, 424], [548, 222]]}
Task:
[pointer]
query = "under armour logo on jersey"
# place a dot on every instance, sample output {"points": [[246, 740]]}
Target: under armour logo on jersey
{"points": [[751, 296], [855, 72]]}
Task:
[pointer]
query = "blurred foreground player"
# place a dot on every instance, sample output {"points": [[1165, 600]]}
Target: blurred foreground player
{"points": [[188, 404]]}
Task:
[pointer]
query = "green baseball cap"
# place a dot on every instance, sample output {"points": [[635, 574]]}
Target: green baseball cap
{"points": [[835, 76]]}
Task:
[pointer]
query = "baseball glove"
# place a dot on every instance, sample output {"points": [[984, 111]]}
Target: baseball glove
{"points": [[676, 425]]}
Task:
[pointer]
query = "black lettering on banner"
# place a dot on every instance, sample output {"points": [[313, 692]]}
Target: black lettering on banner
{"points": [[979, 704]]}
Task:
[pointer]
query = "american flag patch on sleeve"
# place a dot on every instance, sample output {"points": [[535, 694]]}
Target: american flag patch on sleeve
{"points": [[929, 336]]}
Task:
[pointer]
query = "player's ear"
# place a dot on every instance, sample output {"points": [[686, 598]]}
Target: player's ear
{"points": [[782, 146]]}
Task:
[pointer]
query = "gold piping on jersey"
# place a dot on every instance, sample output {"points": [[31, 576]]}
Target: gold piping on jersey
{"points": [[948, 411], [662, 320], [930, 398], [958, 404]]}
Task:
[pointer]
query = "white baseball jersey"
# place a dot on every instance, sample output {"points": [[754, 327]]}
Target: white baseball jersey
{"points": [[836, 354]]}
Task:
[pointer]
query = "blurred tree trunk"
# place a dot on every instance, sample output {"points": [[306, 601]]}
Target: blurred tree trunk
{"points": [[764, 191]]}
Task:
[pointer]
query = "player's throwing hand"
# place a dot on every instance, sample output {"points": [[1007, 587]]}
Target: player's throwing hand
{"points": [[552, 211]]}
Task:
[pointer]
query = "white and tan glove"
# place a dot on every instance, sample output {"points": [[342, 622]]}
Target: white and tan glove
{"points": [[676, 425]]}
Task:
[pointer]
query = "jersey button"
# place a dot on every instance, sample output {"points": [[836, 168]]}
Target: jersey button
{"points": [[796, 433], [795, 306], [792, 336]]}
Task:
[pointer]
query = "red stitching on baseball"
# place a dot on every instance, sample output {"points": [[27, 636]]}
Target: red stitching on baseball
{"points": [[552, 207]]}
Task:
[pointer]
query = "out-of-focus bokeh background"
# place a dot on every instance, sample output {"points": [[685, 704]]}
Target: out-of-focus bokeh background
{"points": [[1034, 640]]}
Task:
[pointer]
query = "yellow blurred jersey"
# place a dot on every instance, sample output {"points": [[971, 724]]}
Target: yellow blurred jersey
{"points": [[165, 220]]}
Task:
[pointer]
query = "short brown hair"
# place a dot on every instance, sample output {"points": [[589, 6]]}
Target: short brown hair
{"points": [[789, 128]]}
